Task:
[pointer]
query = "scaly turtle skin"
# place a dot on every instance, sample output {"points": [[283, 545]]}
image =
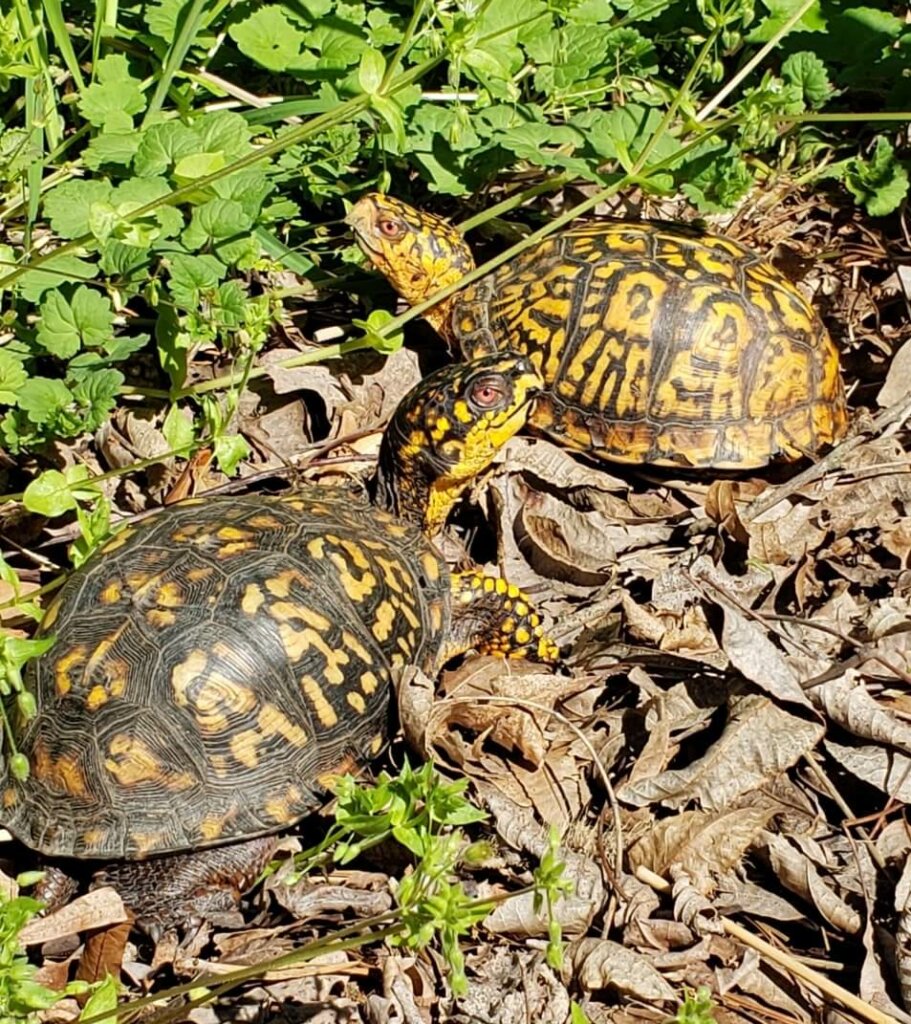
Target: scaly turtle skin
{"points": [[217, 664], [656, 344]]}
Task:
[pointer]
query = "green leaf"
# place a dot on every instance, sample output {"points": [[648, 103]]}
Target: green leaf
{"points": [[43, 399], [96, 395], [173, 343], [389, 111], [69, 206], [113, 94], [215, 220], [162, 145], [60, 269], [226, 132], [807, 71], [177, 429], [230, 450], [111, 148], [192, 277], [269, 38], [373, 339], [880, 183], [102, 1001], [371, 70], [87, 319], [339, 43], [197, 165], [812, 20], [12, 377], [49, 494]]}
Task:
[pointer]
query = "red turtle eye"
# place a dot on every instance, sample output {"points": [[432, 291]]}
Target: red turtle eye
{"points": [[487, 393], [389, 228]]}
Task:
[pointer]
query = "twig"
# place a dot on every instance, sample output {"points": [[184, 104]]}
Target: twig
{"points": [[789, 963], [894, 416]]}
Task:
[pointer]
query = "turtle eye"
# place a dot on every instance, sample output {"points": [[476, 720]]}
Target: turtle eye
{"points": [[390, 228], [487, 392]]}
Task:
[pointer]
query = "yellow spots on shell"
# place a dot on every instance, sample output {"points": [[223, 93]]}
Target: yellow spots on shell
{"points": [[382, 625], [356, 554], [63, 773], [10, 798], [356, 701], [97, 696], [435, 615], [270, 721], [369, 683], [325, 712], [233, 533], [264, 521], [185, 673], [280, 585], [93, 838], [357, 588], [376, 744], [232, 548], [252, 599], [132, 763], [287, 611], [317, 548], [350, 642], [66, 663], [170, 595], [211, 827], [112, 593], [431, 566], [298, 642], [199, 574], [118, 540], [347, 765], [284, 808]]}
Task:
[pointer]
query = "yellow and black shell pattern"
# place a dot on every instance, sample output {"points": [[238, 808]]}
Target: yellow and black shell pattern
{"points": [[215, 666], [662, 346]]}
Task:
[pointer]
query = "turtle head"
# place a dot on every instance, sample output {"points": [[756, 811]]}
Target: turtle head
{"points": [[417, 252], [447, 431]]}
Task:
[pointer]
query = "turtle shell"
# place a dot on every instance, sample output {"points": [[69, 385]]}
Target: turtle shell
{"points": [[214, 666], [660, 345]]}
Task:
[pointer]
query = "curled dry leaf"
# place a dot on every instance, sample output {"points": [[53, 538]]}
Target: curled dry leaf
{"points": [[759, 741], [846, 702], [797, 874], [721, 508], [879, 766], [705, 844], [599, 964]]}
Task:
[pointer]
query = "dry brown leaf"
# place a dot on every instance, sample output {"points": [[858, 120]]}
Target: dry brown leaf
{"points": [[846, 702], [96, 909], [898, 379], [103, 953], [599, 964], [797, 874], [721, 508], [754, 655], [705, 844], [879, 766], [760, 741]]}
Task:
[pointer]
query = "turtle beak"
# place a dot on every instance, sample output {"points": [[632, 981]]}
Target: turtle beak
{"points": [[360, 219]]}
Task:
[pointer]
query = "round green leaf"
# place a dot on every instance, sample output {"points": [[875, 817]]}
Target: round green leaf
{"points": [[49, 494]]}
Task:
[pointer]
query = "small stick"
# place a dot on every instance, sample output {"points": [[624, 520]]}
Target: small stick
{"points": [[789, 963]]}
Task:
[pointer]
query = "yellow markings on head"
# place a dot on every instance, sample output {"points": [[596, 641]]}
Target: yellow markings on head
{"points": [[385, 616], [441, 428], [73, 658], [325, 712], [522, 635], [119, 540], [252, 599], [356, 701], [111, 593], [131, 762], [369, 683], [280, 585], [264, 521]]}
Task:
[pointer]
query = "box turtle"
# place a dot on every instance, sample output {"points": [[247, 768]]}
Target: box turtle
{"points": [[657, 344], [216, 664]]}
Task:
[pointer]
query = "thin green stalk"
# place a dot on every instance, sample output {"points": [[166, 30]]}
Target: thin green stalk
{"points": [[53, 12], [177, 51], [104, 26], [402, 48]]}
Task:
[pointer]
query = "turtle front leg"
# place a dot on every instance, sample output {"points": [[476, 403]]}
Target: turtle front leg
{"points": [[495, 617]]}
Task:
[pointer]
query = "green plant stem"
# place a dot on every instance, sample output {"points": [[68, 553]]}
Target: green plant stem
{"points": [[189, 27]]}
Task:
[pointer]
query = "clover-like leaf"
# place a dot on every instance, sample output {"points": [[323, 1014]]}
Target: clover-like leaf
{"points": [[67, 325], [113, 94]]}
